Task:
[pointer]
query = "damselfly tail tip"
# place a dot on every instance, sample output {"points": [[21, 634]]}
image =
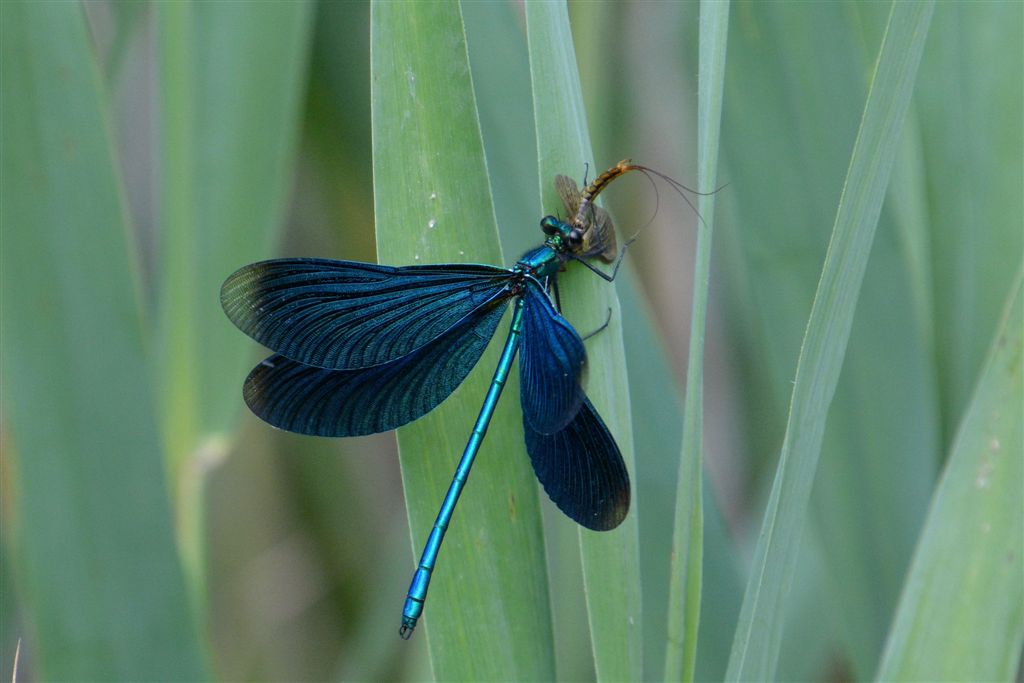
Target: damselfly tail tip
{"points": [[405, 633]]}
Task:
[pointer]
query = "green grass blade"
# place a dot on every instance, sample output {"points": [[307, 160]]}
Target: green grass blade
{"points": [[961, 616], [687, 541], [226, 153], [231, 147], [488, 615], [883, 436], [501, 80], [96, 558], [610, 560], [759, 633], [975, 83]]}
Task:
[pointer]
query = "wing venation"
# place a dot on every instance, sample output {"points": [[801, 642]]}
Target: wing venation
{"points": [[582, 470], [326, 402], [348, 315]]}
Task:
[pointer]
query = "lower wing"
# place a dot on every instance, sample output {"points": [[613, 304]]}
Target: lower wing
{"points": [[323, 402], [582, 470]]}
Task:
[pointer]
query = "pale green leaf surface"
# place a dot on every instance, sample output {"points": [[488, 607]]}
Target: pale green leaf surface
{"points": [[687, 541], [810, 634], [91, 523], [332, 210], [226, 149], [610, 560], [970, 97], [961, 616], [232, 83], [488, 615], [656, 411], [759, 632], [773, 240], [501, 80]]}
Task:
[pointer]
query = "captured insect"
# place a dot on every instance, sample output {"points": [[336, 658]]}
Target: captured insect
{"points": [[361, 348]]}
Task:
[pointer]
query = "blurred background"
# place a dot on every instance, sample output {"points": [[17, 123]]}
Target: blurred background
{"points": [[300, 550]]}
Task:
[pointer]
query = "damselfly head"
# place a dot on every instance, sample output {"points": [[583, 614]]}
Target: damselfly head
{"points": [[562, 237], [552, 226]]}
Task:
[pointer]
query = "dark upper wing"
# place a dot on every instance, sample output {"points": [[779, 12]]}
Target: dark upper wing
{"points": [[346, 315], [581, 470], [324, 402], [551, 360]]}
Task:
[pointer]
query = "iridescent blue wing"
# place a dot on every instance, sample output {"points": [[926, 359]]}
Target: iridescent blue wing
{"points": [[324, 402], [551, 360], [346, 315], [581, 470]]}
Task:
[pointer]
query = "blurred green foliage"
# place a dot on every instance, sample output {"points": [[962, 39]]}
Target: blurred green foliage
{"points": [[153, 529]]}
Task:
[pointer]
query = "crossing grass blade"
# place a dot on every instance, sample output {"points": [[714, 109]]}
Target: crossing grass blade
{"points": [[961, 615], [759, 632], [974, 83], [774, 238], [226, 155], [90, 526], [488, 617], [685, 582], [610, 561], [227, 152]]}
